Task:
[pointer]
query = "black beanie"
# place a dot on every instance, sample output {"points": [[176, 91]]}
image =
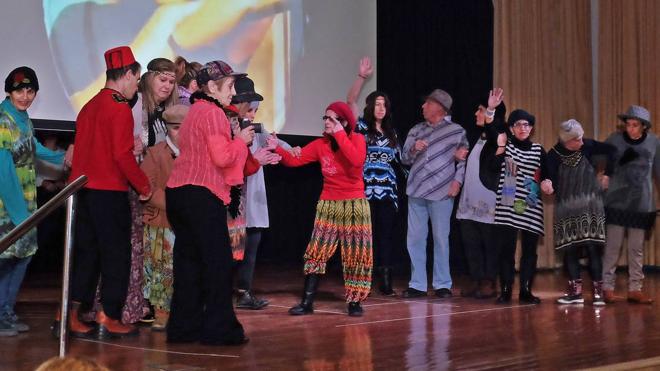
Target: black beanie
{"points": [[21, 77], [518, 115]]}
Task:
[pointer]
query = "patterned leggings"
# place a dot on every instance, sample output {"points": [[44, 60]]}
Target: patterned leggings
{"points": [[347, 222]]}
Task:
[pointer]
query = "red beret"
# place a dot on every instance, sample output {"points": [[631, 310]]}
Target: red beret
{"points": [[119, 57], [344, 111]]}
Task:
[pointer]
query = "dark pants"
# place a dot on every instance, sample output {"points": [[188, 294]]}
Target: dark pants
{"points": [[480, 249], [245, 269], [507, 237], [572, 261], [383, 221], [202, 299], [102, 246]]}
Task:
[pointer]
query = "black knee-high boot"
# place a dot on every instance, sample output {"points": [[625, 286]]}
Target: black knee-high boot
{"points": [[386, 281], [306, 306]]}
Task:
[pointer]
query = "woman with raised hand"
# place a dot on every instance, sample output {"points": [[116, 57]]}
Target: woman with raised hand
{"points": [[476, 208], [383, 163]]}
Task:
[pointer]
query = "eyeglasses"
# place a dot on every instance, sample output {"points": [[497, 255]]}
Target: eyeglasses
{"points": [[522, 125], [330, 118]]}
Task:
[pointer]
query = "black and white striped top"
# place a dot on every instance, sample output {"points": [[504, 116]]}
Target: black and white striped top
{"points": [[524, 214]]}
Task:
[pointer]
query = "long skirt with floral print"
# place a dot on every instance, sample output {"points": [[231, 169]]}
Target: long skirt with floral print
{"points": [[158, 269]]}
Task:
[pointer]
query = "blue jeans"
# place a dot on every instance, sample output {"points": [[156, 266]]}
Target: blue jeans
{"points": [[419, 211], [12, 271]]}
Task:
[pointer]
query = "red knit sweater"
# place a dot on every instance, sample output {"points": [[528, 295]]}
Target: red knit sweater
{"points": [[208, 156], [342, 170], [104, 145]]}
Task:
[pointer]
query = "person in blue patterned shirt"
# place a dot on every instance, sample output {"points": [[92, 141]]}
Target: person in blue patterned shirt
{"points": [[380, 171]]}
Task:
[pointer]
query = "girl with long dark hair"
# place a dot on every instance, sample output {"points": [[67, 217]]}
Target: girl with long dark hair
{"points": [[380, 177]]}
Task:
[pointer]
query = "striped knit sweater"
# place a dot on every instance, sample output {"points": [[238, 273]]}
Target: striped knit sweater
{"points": [[527, 211], [434, 168]]}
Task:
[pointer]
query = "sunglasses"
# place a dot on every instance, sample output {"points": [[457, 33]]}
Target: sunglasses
{"points": [[330, 118]]}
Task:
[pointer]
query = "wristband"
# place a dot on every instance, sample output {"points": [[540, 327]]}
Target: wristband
{"points": [[362, 76]]}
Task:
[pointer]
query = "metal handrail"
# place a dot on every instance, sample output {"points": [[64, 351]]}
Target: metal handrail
{"points": [[42, 212], [67, 194]]}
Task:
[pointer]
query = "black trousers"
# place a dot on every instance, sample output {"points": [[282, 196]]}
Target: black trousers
{"points": [[572, 256], [102, 247], [507, 237], [480, 249], [383, 221], [245, 268], [202, 299]]}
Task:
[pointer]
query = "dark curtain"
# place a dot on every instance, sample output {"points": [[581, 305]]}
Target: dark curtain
{"points": [[422, 45]]}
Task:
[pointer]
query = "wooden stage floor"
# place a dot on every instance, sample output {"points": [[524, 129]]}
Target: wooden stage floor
{"points": [[394, 334]]}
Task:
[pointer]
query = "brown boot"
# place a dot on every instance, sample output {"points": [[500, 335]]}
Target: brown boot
{"points": [[610, 297], [638, 297], [161, 320], [77, 328], [111, 328]]}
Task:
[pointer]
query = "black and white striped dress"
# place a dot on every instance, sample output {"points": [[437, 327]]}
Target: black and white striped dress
{"points": [[525, 216]]}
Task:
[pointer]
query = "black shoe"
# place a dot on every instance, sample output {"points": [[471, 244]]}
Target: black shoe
{"points": [[386, 282], [354, 309], [443, 293], [525, 295], [148, 318], [248, 301], [413, 293], [505, 295], [229, 342], [306, 306]]}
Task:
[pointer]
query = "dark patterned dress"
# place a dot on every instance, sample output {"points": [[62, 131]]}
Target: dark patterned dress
{"points": [[579, 212]]}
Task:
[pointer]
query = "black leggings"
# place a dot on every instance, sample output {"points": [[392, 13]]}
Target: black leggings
{"points": [[507, 237], [572, 261]]}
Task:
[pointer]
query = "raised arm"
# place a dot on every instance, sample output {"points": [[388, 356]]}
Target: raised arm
{"points": [[365, 70]]}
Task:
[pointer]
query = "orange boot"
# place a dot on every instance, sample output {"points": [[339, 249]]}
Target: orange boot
{"points": [[610, 297], [112, 328], [638, 297], [77, 328]]}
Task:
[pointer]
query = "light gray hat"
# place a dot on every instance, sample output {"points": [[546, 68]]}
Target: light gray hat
{"points": [[570, 129], [175, 114], [441, 97], [637, 112]]}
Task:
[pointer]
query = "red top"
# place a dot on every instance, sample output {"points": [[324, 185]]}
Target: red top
{"points": [[104, 145], [342, 170], [208, 156]]}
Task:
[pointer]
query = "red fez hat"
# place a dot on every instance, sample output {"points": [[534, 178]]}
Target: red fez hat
{"points": [[119, 57]]}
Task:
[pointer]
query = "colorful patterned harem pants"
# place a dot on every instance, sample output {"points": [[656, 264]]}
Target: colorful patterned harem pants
{"points": [[345, 222]]}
